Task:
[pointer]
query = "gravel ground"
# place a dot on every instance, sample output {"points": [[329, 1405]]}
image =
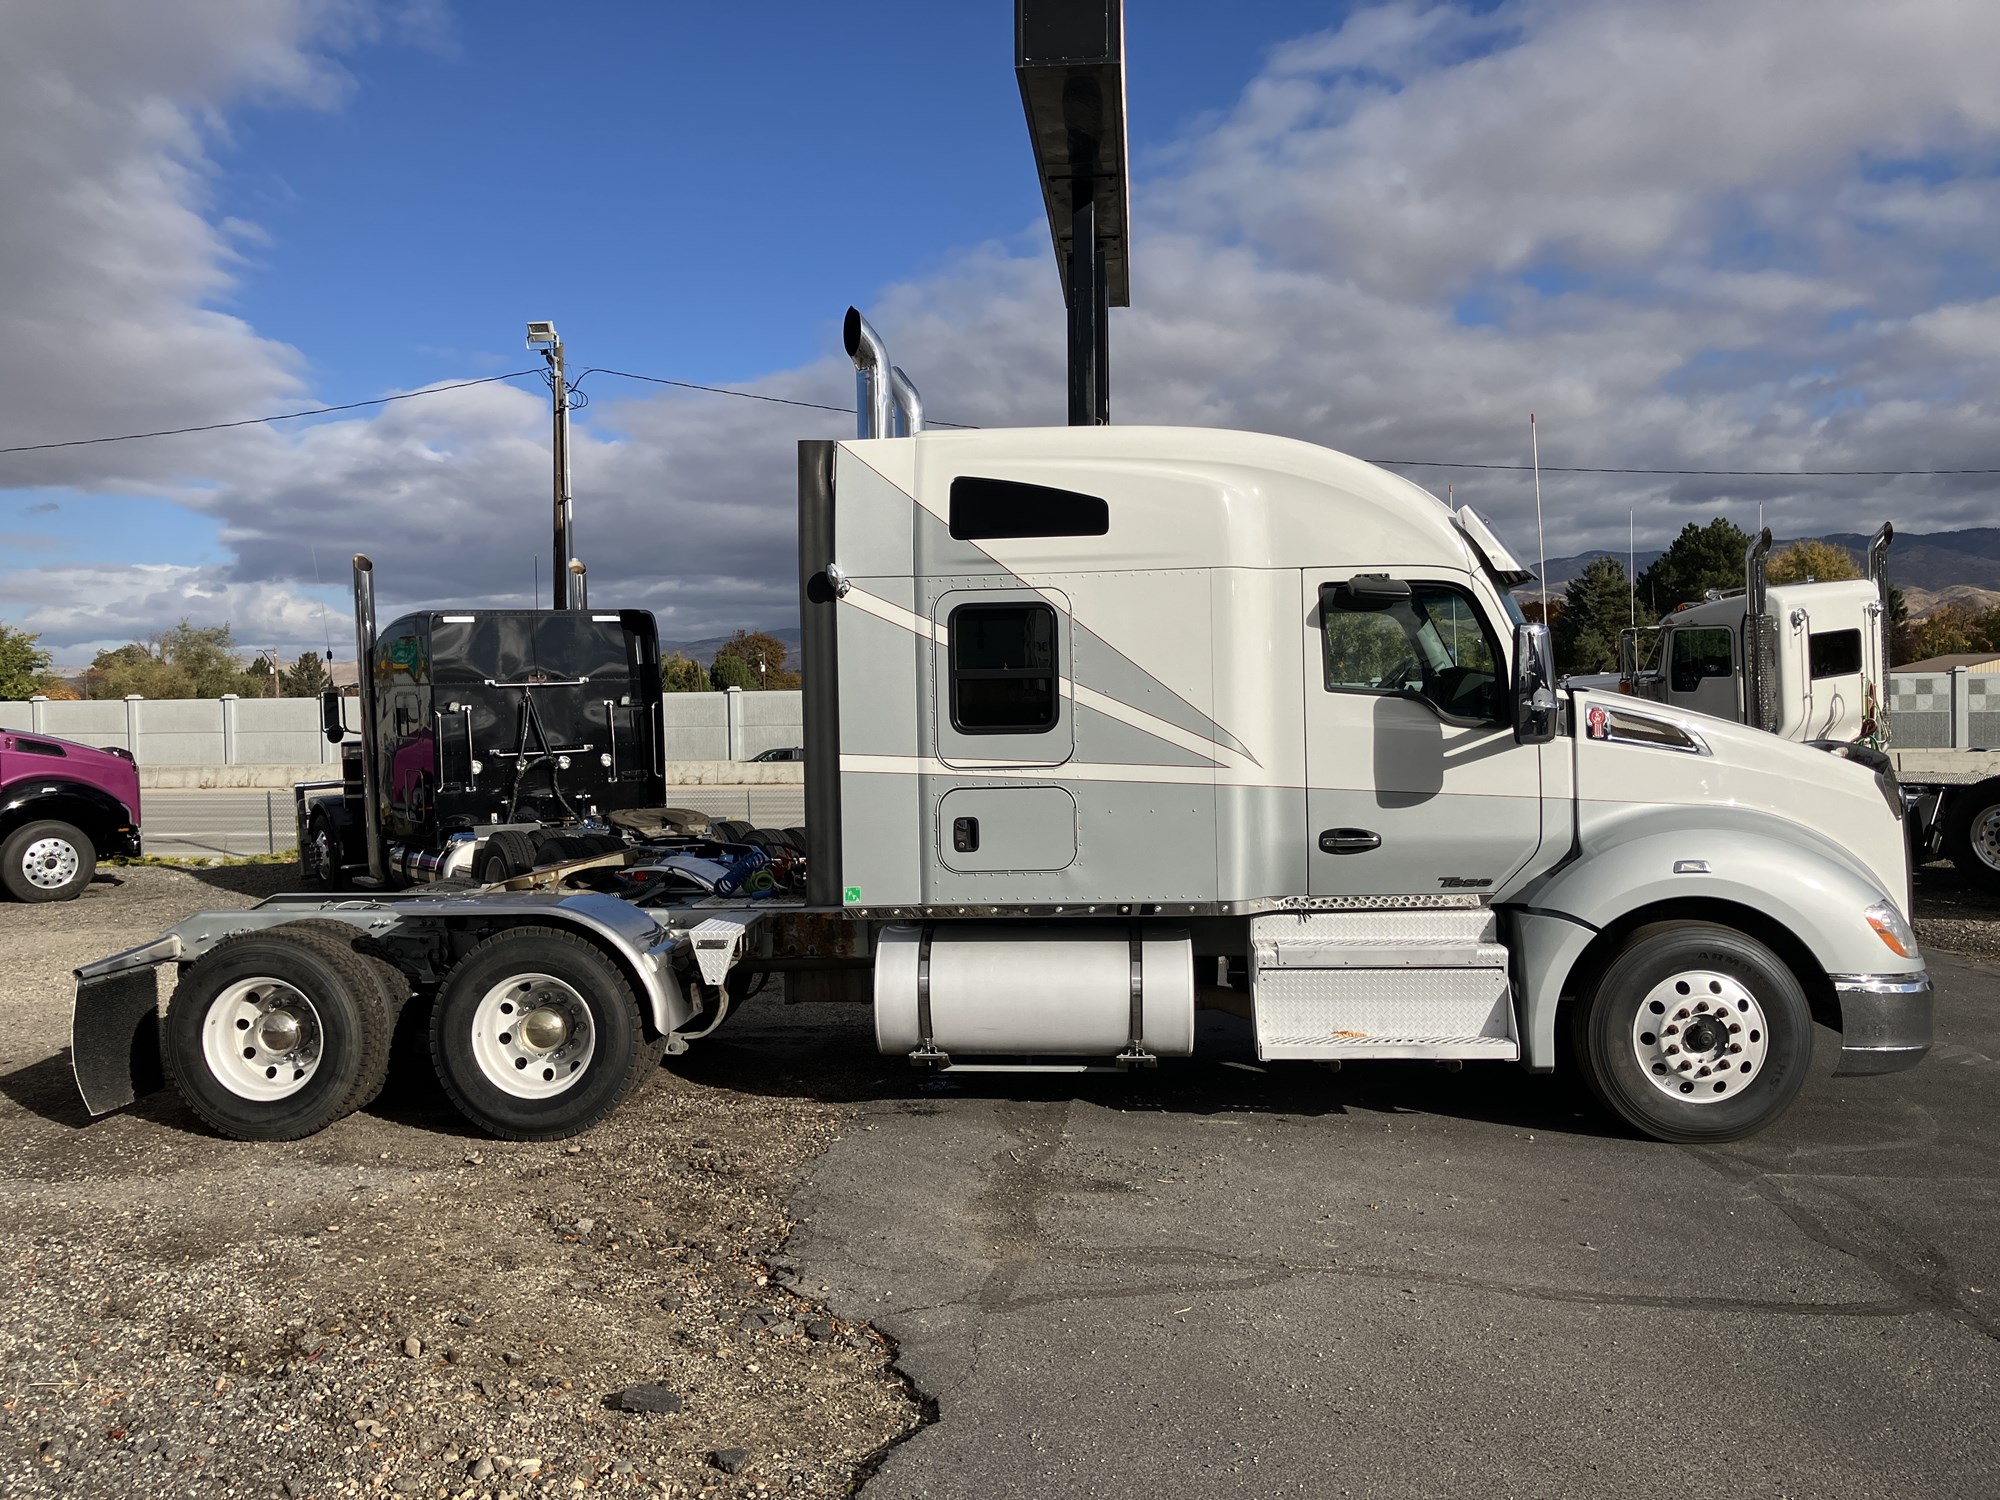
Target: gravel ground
{"points": [[394, 1306], [1954, 915], [397, 1307]]}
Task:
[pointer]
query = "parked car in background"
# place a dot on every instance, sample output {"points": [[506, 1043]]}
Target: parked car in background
{"points": [[63, 806], [789, 752]]}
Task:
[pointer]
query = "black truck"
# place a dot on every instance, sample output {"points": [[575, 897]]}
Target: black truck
{"points": [[498, 740]]}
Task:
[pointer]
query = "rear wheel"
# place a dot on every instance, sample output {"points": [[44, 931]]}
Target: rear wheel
{"points": [[271, 1037], [1695, 1033], [1972, 836], [536, 1035], [46, 861], [392, 992]]}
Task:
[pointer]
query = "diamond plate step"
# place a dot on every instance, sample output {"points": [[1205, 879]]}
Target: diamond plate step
{"points": [[1423, 939], [1452, 1012]]}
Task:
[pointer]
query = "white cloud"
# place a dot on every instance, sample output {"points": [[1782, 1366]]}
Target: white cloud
{"points": [[1678, 233]]}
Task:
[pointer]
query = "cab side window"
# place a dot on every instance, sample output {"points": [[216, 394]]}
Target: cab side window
{"points": [[1431, 645], [1698, 654]]}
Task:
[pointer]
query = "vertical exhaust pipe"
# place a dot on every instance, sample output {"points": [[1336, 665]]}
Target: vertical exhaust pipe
{"points": [[1759, 704], [1885, 627], [579, 590], [364, 662], [909, 416], [873, 403]]}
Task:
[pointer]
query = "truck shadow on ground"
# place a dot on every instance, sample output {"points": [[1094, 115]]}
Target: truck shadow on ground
{"points": [[827, 1053]]}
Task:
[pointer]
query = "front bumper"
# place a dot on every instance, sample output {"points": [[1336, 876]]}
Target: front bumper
{"points": [[1885, 1021]]}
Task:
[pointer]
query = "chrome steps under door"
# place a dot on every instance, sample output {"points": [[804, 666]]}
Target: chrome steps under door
{"points": [[1408, 981]]}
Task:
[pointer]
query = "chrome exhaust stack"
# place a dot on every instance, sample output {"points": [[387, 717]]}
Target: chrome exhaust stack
{"points": [[1760, 709], [909, 417], [579, 589], [886, 403], [364, 662]]}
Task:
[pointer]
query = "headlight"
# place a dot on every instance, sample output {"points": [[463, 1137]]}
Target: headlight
{"points": [[1892, 928]]}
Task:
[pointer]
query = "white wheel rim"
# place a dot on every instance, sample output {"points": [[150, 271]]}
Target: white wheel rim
{"points": [[322, 852], [262, 1039], [532, 1036], [50, 863], [1700, 1037], [1986, 836]]}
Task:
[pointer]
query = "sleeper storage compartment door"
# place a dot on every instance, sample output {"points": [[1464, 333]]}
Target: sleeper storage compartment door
{"points": [[1020, 989], [1006, 828]]}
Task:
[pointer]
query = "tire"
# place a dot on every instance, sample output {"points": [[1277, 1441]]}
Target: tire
{"points": [[46, 861], [1972, 836], [392, 990], [508, 853], [230, 994], [1632, 1033], [596, 1051], [320, 855]]}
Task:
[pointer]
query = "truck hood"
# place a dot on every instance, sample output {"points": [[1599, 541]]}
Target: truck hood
{"points": [[1828, 800], [45, 756]]}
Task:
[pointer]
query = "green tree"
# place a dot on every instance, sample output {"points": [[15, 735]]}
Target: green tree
{"points": [[1812, 560], [1701, 558], [682, 674], [765, 655], [24, 666], [308, 677], [189, 661], [731, 671], [1595, 607]]}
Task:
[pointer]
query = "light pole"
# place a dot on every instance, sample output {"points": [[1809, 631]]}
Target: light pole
{"points": [[543, 336]]}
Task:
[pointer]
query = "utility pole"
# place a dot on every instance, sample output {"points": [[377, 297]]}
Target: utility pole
{"points": [[543, 336]]}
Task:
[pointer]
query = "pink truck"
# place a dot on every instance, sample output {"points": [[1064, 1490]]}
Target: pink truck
{"points": [[63, 806]]}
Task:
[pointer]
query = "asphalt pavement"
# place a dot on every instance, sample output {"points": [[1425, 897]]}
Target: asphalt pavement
{"points": [[230, 824], [1227, 1279]]}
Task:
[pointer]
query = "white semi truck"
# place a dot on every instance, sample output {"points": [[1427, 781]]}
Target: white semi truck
{"points": [[1809, 662], [1104, 725]]}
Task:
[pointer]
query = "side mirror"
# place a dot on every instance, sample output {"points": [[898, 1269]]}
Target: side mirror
{"points": [[1534, 685], [330, 721]]}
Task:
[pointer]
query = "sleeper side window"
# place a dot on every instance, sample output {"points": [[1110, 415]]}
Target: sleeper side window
{"points": [[1005, 678], [1431, 644], [1700, 653], [1835, 653]]}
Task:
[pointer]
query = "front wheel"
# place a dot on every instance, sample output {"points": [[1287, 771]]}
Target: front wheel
{"points": [[320, 855], [46, 861], [1695, 1033], [1972, 837], [536, 1035]]}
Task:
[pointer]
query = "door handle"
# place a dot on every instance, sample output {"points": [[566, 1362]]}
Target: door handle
{"points": [[1348, 841]]}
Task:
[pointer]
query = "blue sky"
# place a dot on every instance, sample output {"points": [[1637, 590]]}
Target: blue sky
{"points": [[1680, 234]]}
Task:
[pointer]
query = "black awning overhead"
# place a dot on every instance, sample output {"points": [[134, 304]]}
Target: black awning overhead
{"points": [[1070, 59]]}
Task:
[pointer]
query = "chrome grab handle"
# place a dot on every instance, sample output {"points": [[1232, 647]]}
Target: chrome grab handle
{"points": [[611, 733]]}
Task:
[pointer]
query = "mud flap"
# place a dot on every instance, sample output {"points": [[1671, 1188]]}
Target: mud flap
{"points": [[115, 1039]]}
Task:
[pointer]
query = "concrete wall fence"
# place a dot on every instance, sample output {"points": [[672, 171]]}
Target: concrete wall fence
{"points": [[1956, 710], [233, 731]]}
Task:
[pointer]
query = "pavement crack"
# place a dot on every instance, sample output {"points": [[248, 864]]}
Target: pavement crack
{"points": [[1925, 1277]]}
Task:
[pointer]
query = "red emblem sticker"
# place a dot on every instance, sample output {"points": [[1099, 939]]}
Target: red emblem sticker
{"points": [[1598, 724]]}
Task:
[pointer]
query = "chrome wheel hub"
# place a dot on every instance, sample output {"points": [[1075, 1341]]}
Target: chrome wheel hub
{"points": [[261, 1039], [1700, 1037], [532, 1036], [1985, 836], [50, 863]]}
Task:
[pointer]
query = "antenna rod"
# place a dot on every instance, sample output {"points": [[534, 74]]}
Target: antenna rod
{"points": [[1541, 543], [1632, 567]]}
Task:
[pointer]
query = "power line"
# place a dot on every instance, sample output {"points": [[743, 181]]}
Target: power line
{"points": [[716, 390], [1433, 463], [289, 416]]}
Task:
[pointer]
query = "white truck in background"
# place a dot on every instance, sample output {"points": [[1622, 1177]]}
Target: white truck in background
{"points": [[1810, 662], [1105, 725]]}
